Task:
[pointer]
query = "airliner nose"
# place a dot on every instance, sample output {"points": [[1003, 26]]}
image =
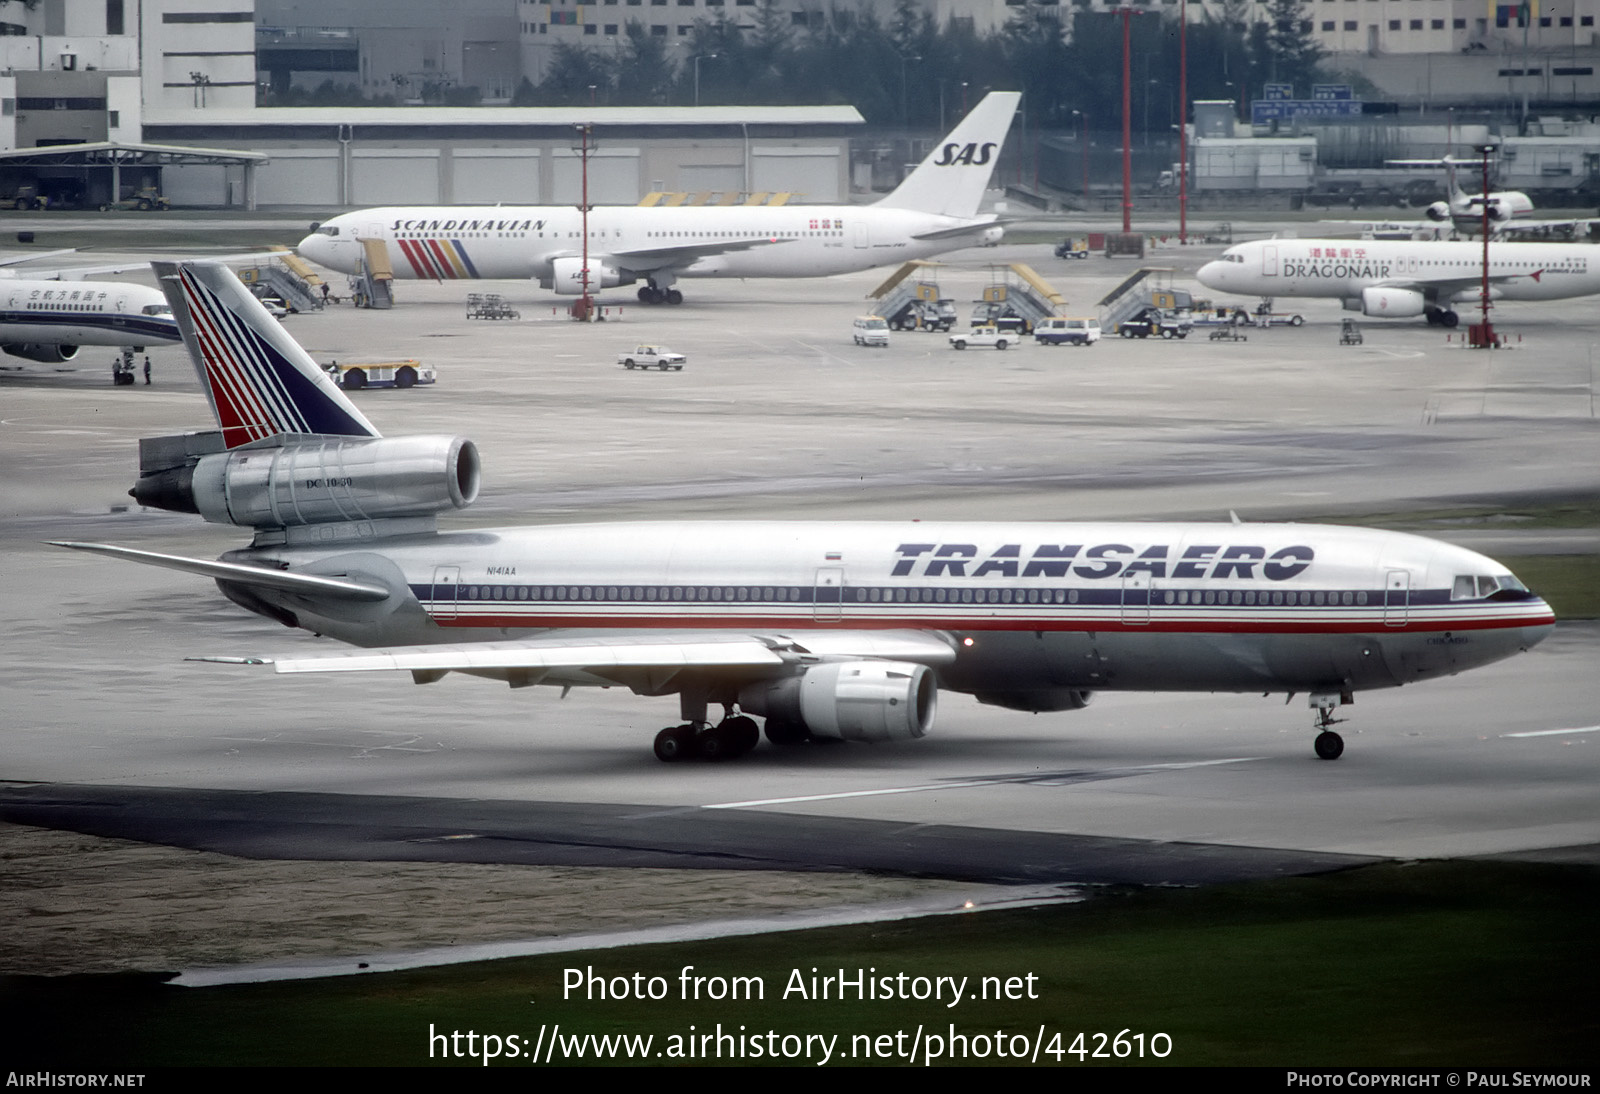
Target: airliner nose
{"points": [[1211, 274], [313, 247]]}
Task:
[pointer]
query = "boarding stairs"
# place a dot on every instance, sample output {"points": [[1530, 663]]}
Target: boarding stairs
{"points": [[912, 303], [1150, 286]]}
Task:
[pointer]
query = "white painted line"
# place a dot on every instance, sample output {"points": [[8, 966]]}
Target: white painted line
{"points": [[992, 780], [1554, 732]]}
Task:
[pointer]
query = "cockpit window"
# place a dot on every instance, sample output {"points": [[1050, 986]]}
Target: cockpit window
{"points": [[1476, 586], [328, 230]]}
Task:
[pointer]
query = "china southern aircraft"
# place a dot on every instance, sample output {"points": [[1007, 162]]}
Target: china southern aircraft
{"points": [[48, 320], [826, 630], [934, 210], [1405, 278]]}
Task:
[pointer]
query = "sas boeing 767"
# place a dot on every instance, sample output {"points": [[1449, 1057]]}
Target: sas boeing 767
{"points": [[826, 630], [934, 210]]}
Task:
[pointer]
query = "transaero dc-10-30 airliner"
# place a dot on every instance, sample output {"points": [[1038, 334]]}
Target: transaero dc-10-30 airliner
{"points": [[934, 210], [1403, 279], [826, 630]]}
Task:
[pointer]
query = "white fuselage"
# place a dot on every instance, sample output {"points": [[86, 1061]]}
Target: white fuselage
{"points": [[517, 242], [1025, 606], [83, 313], [1445, 272]]}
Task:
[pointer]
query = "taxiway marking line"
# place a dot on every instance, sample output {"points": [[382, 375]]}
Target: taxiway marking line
{"points": [[1554, 732], [963, 784]]}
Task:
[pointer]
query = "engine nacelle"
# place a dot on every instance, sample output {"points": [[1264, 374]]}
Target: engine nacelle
{"points": [[851, 700], [42, 351], [1037, 700], [1385, 303], [566, 276], [320, 482], [1439, 212]]}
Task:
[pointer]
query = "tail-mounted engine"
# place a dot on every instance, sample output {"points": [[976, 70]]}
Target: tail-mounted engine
{"points": [[296, 481], [47, 352], [851, 700]]}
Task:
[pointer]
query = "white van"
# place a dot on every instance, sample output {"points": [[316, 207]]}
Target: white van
{"points": [[1056, 331], [872, 330]]}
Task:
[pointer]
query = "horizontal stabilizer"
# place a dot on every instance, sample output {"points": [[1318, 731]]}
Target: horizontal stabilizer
{"points": [[282, 580]]}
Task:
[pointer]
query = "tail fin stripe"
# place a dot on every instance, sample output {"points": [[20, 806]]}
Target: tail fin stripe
{"points": [[244, 388], [240, 415], [251, 353]]}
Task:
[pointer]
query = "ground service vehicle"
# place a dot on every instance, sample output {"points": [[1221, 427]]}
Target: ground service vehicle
{"points": [[363, 374], [872, 330], [1154, 321], [143, 200], [1067, 332], [985, 336], [651, 357]]}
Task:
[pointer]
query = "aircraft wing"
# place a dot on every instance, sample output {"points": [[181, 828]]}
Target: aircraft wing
{"points": [[644, 660], [646, 259], [1577, 228]]}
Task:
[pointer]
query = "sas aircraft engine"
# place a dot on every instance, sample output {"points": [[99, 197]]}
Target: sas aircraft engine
{"points": [[326, 481], [566, 276], [850, 700], [1385, 303], [42, 351]]}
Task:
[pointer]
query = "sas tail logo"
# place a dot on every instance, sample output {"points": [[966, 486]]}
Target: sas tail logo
{"points": [[972, 155]]}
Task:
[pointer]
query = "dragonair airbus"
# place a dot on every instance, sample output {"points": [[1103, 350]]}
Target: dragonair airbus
{"points": [[934, 210], [826, 630], [1405, 279]]}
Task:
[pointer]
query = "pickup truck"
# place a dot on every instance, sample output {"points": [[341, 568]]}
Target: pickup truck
{"points": [[985, 336], [1155, 321], [651, 357]]}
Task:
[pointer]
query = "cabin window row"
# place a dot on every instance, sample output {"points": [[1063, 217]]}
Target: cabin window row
{"points": [[863, 595]]}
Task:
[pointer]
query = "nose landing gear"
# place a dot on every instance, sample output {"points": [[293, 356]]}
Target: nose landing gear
{"points": [[1328, 744]]}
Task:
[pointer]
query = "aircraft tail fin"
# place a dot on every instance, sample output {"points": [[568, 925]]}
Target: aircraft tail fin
{"points": [[261, 384], [951, 181]]}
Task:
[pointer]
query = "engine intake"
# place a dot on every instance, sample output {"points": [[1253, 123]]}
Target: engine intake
{"points": [[851, 700], [1384, 303], [47, 352], [319, 482]]}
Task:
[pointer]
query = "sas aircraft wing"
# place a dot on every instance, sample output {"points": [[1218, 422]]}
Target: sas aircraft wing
{"points": [[650, 259]]}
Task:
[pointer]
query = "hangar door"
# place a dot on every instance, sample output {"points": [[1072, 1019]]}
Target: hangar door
{"points": [[812, 173], [483, 176], [297, 176], [394, 176], [613, 176]]}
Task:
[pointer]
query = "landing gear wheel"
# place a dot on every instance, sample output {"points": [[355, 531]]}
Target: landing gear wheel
{"points": [[1450, 319], [675, 743], [742, 731], [673, 297], [1329, 745], [650, 294]]}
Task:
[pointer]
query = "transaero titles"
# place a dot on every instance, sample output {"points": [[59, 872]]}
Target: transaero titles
{"points": [[1238, 561]]}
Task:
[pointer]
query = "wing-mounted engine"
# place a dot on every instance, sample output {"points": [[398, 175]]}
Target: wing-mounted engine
{"points": [[851, 700], [566, 276], [307, 480], [42, 351], [1385, 303]]}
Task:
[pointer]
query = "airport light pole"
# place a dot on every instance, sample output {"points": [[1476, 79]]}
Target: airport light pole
{"points": [[584, 310], [1481, 335], [1183, 120], [1127, 121]]}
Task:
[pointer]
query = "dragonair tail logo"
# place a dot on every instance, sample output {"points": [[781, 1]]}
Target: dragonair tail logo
{"points": [[970, 155]]}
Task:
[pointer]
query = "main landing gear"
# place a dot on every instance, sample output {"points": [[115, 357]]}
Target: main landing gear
{"points": [[1329, 745], [1441, 317], [728, 739], [659, 293]]}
